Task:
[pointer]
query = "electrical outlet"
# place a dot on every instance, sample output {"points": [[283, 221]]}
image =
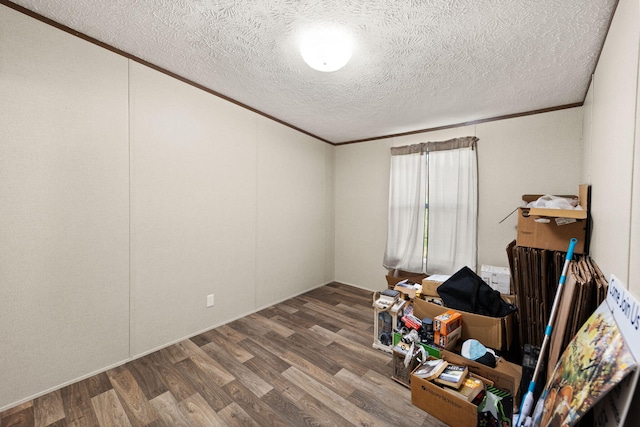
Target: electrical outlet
{"points": [[210, 300]]}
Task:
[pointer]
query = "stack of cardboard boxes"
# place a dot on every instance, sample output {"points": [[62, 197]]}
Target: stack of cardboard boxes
{"points": [[455, 325], [542, 228], [451, 327]]}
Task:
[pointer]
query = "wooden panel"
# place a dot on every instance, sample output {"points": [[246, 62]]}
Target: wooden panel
{"points": [[331, 399], [199, 411], [206, 387], [239, 352], [98, 384], [255, 407], [109, 410], [241, 373], [170, 413], [150, 383], [133, 399], [208, 365], [48, 409], [77, 404], [235, 416], [171, 376], [18, 418]]}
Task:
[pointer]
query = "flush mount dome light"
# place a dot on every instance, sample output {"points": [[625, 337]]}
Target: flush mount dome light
{"points": [[326, 49]]}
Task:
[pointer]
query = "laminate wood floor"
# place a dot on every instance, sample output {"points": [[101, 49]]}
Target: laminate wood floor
{"points": [[307, 361]]}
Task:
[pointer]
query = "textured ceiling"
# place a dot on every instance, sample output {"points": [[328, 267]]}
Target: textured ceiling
{"points": [[416, 65]]}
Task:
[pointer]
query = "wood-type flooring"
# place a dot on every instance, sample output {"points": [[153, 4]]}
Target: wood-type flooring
{"points": [[307, 361]]}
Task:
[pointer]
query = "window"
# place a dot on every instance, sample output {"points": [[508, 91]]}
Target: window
{"points": [[433, 207]]}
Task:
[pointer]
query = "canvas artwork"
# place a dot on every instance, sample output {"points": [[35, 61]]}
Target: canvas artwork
{"points": [[594, 362]]}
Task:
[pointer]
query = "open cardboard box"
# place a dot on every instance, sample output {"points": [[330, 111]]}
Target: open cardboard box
{"points": [[552, 228], [454, 410], [493, 332], [430, 284], [394, 276], [583, 196], [408, 290]]}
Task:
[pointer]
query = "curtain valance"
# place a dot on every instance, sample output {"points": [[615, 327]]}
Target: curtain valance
{"points": [[425, 147]]}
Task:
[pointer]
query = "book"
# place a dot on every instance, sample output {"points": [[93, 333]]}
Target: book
{"points": [[470, 388], [430, 368], [452, 376]]}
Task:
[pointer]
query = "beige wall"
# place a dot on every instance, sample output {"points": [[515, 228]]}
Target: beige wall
{"points": [[612, 155], [193, 178], [537, 154], [533, 154], [611, 163], [64, 208], [361, 205], [291, 213], [127, 197]]}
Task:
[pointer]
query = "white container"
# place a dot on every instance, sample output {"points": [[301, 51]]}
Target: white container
{"points": [[499, 278]]}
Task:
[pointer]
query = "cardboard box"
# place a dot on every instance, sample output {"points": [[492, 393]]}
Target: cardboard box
{"points": [[395, 276], [401, 373], [511, 299], [409, 290], [583, 196], [453, 410], [551, 236], [499, 278], [493, 332], [447, 322], [505, 375], [553, 228], [449, 340], [431, 283]]}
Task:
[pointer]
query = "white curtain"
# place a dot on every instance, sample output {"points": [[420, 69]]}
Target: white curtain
{"points": [[407, 197], [453, 211], [443, 176]]}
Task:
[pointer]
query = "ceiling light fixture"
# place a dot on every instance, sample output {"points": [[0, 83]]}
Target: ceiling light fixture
{"points": [[326, 49]]}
